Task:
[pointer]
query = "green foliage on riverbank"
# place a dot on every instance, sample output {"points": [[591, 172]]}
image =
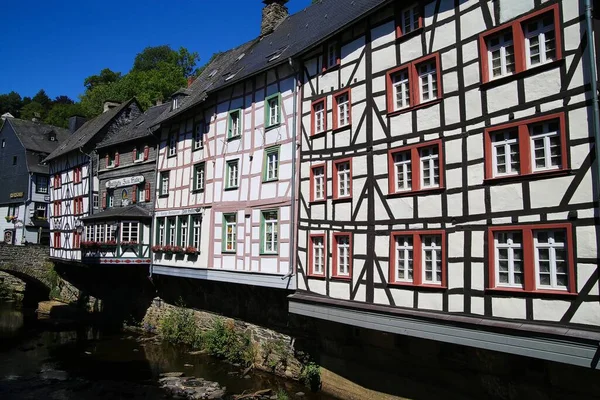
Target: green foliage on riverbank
{"points": [[53, 282], [179, 326], [5, 291], [224, 342]]}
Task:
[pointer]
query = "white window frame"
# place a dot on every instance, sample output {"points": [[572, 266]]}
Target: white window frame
{"points": [[199, 136], [171, 231], [230, 238], [162, 231], [319, 182], [95, 200], [435, 249], [273, 165], [546, 137], [401, 85], [429, 161], [413, 19], [502, 46], [319, 110], [508, 144], [233, 173], [199, 176], [196, 231], [164, 183], [551, 246], [235, 121], [184, 230], [510, 246], [343, 254], [318, 254], [172, 145], [110, 198], [429, 78], [332, 54], [343, 179], [403, 168], [270, 246], [540, 32], [273, 110], [343, 109], [132, 233], [404, 261]]}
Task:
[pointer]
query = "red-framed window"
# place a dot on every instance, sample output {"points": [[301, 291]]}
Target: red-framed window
{"points": [[78, 205], [318, 182], [532, 258], [318, 116], [408, 19], [56, 210], [57, 240], [417, 167], [57, 182], [342, 109], [147, 192], [342, 255], [525, 43], [530, 146], [342, 179], [77, 175], [317, 254], [418, 258], [76, 240], [414, 84], [331, 55]]}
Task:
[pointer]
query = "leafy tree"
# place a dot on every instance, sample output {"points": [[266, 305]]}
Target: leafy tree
{"points": [[151, 57], [62, 100], [42, 98], [33, 110], [10, 102], [60, 113], [105, 77]]}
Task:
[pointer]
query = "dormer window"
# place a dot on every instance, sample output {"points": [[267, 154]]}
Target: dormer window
{"points": [[331, 57], [52, 137], [175, 103]]}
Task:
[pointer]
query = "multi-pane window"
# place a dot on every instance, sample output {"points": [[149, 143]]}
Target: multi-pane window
{"points": [[196, 230], [318, 183], [342, 110], [41, 184], [342, 257], [232, 174], [172, 144], [183, 231], [526, 147], [416, 167], [410, 19], [342, 178], [161, 232], [414, 83], [269, 231], [545, 145], [401, 90], [428, 81], [272, 110], [501, 54], [430, 167], [55, 213], [532, 257], [164, 183], [101, 233], [229, 232], [199, 176], [95, 200], [319, 117], [171, 227], [540, 40], [110, 198], [234, 124], [332, 55], [509, 258], [40, 210], [199, 135], [317, 254], [89, 233], [271, 165], [524, 43], [505, 148], [418, 258], [129, 231]]}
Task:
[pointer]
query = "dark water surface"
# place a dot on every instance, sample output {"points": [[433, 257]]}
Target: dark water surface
{"points": [[39, 361]]}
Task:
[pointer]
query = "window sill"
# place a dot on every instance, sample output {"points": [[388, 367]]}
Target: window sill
{"points": [[342, 199], [416, 107], [318, 134], [231, 188], [228, 251], [411, 34], [163, 196], [321, 201], [198, 148], [341, 128], [341, 278], [530, 293], [172, 155], [417, 192], [270, 180], [525, 177], [263, 254], [231, 138], [197, 190], [425, 286], [315, 276], [522, 74], [268, 128], [138, 161]]}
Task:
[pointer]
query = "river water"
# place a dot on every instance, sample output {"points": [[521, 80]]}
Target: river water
{"points": [[40, 361]]}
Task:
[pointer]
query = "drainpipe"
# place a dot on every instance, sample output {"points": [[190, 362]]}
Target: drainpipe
{"points": [[594, 84], [293, 202]]}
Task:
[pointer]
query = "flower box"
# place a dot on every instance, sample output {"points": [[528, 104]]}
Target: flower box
{"points": [[190, 250]]}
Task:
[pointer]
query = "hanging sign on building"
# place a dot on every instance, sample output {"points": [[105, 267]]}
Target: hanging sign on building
{"points": [[172, 213], [129, 181], [16, 195]]}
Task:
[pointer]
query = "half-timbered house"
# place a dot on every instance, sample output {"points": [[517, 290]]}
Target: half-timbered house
{"points": [[119, 231], [446, 189], [73, 178]]}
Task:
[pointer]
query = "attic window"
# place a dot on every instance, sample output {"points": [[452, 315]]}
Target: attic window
{"points": [[175, 103], [139, 123], [212, 73], [241, 56], [230, 77], [276, 54], [52, 137]]}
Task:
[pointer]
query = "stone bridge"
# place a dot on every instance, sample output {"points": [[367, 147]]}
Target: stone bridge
{"points": [[28, 263]]}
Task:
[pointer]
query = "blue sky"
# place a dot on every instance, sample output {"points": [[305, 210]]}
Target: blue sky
{"points": [[56, 44]]}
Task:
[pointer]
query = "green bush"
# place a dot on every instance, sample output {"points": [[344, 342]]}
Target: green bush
{"points": [[311, 375], [224, 342], [282, 395], [178, 325], [53, 281]]}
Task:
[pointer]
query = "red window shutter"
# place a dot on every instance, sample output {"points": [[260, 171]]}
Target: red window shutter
{"points": [[104, 200], [146, 152], [117, 159], [134, 153], [107, 160], [147, 194], [134, 193]]}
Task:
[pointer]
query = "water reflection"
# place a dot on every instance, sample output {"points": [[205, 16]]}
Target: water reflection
{"points": [[11, 320]]}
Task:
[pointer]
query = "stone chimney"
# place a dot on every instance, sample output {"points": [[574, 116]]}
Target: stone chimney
{"points": [[75, 122], [108, 104], [273, 13]]}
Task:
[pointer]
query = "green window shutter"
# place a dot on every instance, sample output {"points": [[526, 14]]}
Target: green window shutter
{"points": [[157, 232], [279, 108], [224, 234], [262, 232], [265, 164], [178, 233]]}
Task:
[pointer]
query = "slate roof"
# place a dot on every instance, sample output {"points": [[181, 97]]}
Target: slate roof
{"points": [[131, 211], [295, 35], [88, 130], [34, 135], [138, 128], [34, 163]]}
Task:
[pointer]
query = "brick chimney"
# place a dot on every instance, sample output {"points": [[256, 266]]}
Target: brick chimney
{"points": [[273, 13]]}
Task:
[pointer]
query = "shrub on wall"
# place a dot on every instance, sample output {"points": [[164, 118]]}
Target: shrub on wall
{"points": [[178, 325], [224, 342]]}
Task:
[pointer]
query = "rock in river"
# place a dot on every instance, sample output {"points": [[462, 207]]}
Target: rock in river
{"points": [[190, 388]]}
